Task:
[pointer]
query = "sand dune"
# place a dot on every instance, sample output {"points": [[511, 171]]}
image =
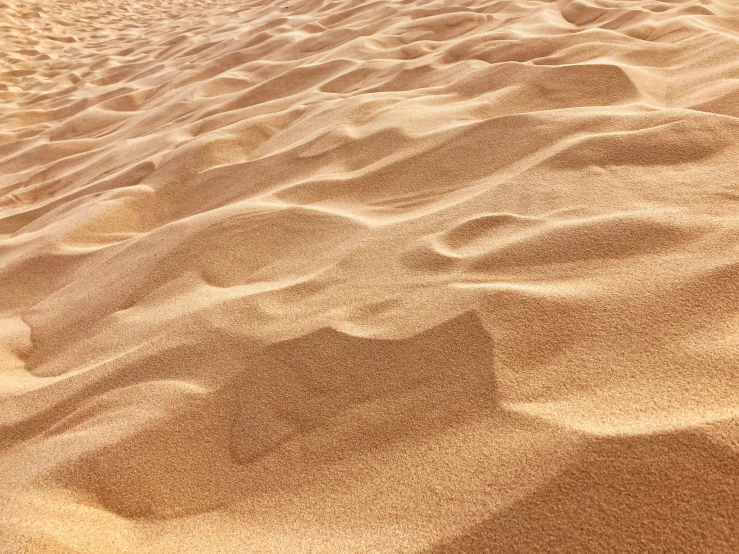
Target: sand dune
{"points": [[390, 276]]}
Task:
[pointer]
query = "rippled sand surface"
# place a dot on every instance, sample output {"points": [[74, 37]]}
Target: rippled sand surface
{"points": [[435, 277]]}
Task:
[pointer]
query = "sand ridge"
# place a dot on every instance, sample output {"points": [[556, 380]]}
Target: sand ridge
{"points": [[392, 276]]}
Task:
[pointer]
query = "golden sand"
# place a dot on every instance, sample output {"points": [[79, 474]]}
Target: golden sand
{"points": [[448, 276]]}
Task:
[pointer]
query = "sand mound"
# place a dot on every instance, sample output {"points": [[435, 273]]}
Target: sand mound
{"points": [[341, 276]]}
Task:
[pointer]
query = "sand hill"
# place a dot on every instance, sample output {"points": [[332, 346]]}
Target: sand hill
{"points": [[334, 276]]}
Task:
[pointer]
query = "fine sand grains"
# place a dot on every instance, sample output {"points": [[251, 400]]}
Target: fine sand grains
{"points": [[334, 276]]}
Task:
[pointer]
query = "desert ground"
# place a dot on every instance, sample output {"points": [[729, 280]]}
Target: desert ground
{"points": [[390, 276]]}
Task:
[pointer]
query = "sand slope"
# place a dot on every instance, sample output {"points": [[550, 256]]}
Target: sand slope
{"points": [[388, 276]]}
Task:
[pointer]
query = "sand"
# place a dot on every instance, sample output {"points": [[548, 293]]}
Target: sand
{"points": [[435, 277]]}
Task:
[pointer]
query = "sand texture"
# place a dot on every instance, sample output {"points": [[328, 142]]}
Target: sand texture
{"points": [[392, 276]]}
